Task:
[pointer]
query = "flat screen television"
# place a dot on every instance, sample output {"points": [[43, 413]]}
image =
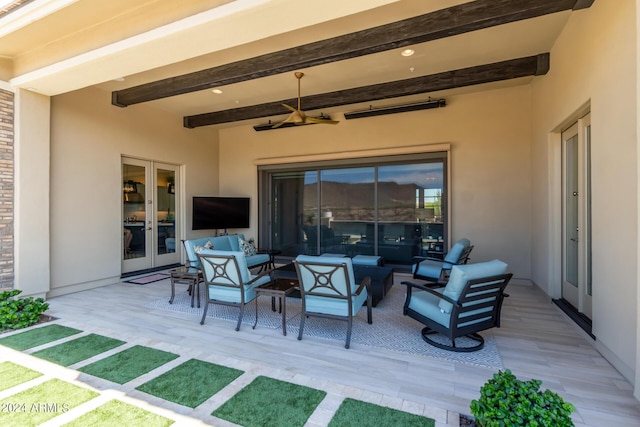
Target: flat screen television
{"points": [[219, 213]]}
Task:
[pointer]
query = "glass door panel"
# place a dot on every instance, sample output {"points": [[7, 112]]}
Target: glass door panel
{"points": [[576, 209], [410, 211], [136, 253], [165, 231], [294, 212], [347, 211]]}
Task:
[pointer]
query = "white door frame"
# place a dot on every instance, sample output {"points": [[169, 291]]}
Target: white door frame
{"points": [[581, 296], [149, 218]]}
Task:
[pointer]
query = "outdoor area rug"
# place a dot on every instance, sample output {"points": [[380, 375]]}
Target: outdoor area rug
{"points": [[128, 364], [270, 402], [148, 279], [37, 336], [390, 329], [209, 379]]}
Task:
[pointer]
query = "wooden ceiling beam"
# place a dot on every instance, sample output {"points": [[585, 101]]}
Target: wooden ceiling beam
{"points": [[511, 69], [463, 18]]}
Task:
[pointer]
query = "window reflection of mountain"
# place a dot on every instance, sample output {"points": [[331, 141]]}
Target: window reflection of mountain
{"points": [[356, 201]]}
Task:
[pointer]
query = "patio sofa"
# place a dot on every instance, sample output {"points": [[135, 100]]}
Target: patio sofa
{"points": [[223, 243]]}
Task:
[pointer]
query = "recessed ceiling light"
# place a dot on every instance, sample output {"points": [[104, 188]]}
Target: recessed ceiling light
{"points": [[216, 91], [118, 79], [408, 52]]}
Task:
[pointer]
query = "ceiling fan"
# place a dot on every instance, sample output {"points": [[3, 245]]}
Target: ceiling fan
{"points": [[298, 116]]}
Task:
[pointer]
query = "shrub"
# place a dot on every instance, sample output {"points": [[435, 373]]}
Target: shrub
{"points": [[21, 312], [508, 401]]}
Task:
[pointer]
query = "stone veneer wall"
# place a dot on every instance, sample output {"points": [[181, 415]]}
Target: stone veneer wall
{"points": [[6, 188]]}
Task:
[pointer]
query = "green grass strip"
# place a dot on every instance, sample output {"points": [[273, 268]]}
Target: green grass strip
{"points": [[205, 380], [37, 336], [12, 374], [115, 413], [270, 402], [43, 402], [357, 413], [128, 364], [74, 351]]}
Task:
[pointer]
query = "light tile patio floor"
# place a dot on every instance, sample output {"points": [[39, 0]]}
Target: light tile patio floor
{"points": [[536, 341]]}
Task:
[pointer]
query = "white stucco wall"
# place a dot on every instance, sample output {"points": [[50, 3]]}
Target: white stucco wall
{"points": [[490, 167], [88, 138], [594, 62], [31, 194]]}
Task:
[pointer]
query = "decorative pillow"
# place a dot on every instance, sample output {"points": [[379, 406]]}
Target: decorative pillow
{"points": [[248, 247], [208, 245]]}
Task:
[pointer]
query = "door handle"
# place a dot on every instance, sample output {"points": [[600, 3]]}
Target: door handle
{"points": [[149, 228]]}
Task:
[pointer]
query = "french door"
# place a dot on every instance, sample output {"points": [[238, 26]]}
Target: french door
{"points": [[576, 207], [150, 214]]}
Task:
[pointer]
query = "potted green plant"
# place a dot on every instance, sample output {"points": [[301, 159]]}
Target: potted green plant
{"points": [[507, 401]]}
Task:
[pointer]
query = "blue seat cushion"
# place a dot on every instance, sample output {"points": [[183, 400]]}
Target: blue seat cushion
{"points": [[461, 274], [426, 304]]}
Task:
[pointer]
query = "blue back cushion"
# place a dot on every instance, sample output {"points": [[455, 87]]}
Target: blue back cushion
{"points": [[461, 274], [245, 274], [335, 261], [456, 250]]}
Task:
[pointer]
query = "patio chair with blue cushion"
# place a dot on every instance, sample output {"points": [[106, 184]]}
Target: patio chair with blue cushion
{"points": [[438, 270], [328, 289], [228, 281], [470, 302]]}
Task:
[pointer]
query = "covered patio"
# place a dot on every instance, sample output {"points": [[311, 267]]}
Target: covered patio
{"points": [[65, 137], [536, 341]]}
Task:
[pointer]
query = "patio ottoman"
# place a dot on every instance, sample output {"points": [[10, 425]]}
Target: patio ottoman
{"points": [[368, 260], [381, 280]]}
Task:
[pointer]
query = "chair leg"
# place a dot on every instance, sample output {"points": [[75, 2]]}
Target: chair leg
{"points": [[240, 317], [302, 317], [349, 324], [204, 315], [369, 304]]}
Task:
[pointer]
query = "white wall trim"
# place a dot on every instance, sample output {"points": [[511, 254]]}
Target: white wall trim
{"points": [[7, 86], [393, 151], [85, 286]]}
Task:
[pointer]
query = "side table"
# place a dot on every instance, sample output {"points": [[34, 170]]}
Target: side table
{"points": [[272, 256], [278, 288], [186, 276]]}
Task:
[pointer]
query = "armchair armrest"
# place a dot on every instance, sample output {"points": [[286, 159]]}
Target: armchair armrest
{"points": [[364, 284], [266, 272], [411, 285]]}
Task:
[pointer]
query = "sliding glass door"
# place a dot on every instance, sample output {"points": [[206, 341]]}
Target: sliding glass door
{"points": [[387, 207]]}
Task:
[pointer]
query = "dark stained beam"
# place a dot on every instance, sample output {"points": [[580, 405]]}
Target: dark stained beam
{"points": [[443, 23], [511, 69]]}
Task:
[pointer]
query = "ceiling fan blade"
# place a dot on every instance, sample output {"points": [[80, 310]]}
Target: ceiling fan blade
{"points": [[289, 107], [296, 117], [321, 121]]}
